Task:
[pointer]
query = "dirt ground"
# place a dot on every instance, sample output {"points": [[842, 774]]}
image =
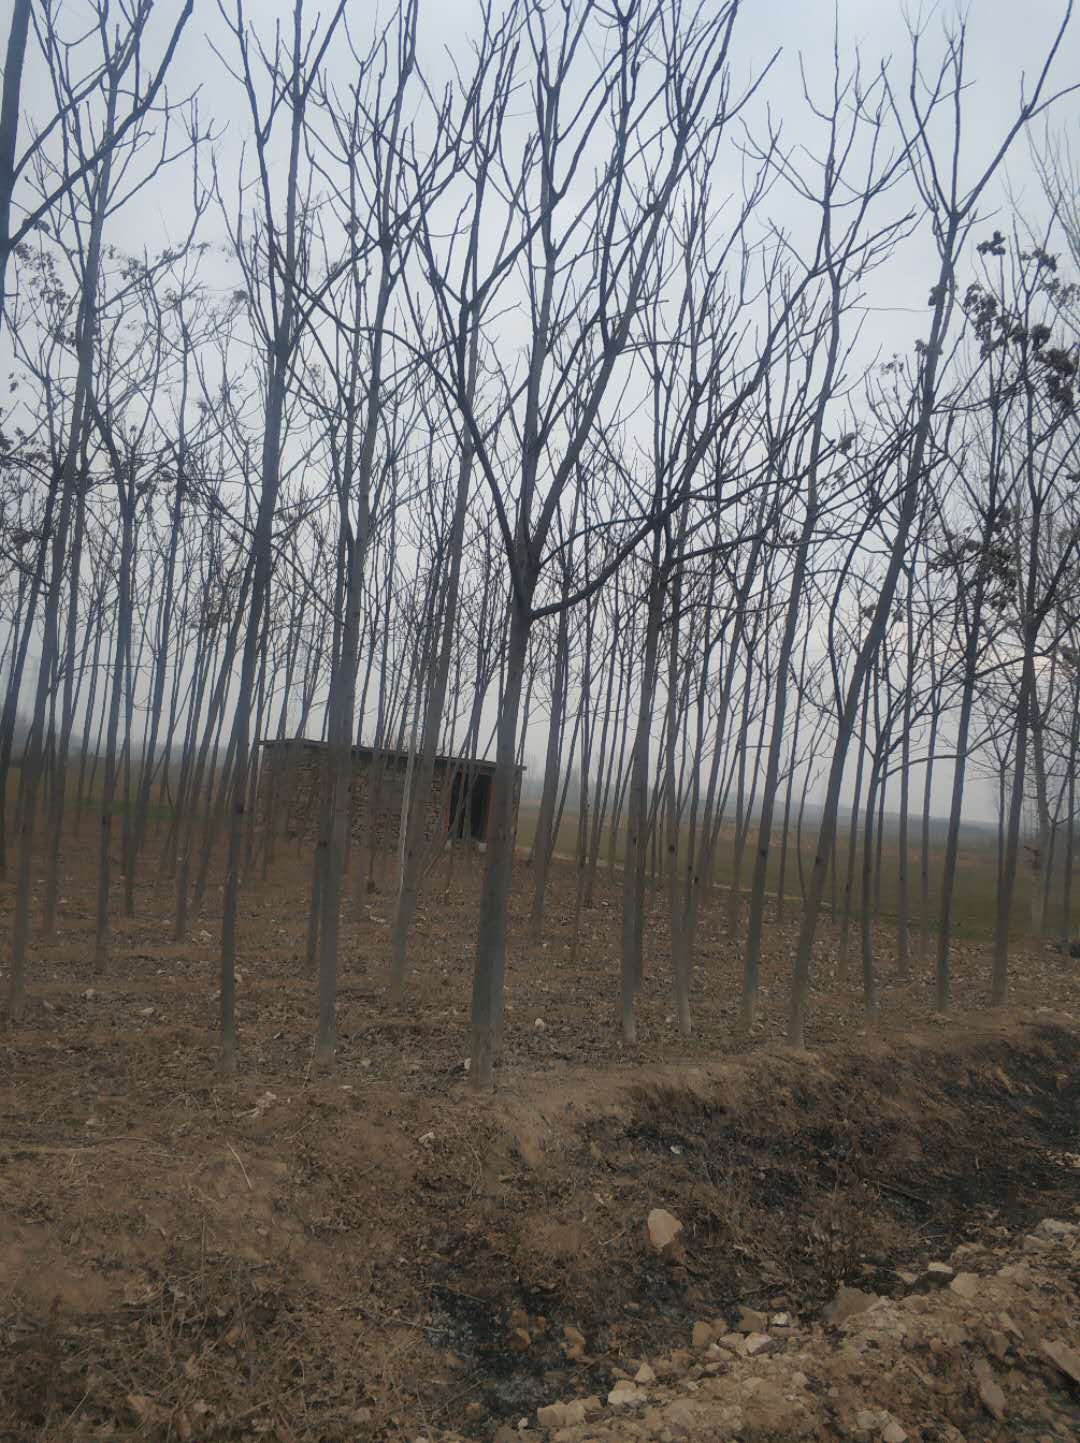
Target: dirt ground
{"points": [[382, 1255]]}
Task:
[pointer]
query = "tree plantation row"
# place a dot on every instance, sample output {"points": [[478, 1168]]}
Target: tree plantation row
{"points": [[539, 399]]}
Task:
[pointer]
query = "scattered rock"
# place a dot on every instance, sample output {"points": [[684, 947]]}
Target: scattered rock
{"points": [[770, 1413], [999, 1345], [664, 1231], [849, 1303], [965, 1285], [935, 1275], [751, 1321], [574, 1343], [780, 1320], [681, 1418], [625, 1395], [702, 1335], [1054, 1229], [645, 1375], [1063, 1357], [893, 1433], [758, 1343], [990, 1393]]}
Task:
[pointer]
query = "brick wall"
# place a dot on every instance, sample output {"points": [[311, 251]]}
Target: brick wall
{"points": [[291, 779]]}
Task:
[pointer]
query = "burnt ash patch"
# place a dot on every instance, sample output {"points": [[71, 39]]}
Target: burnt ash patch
{"points": [[842, 1173]]}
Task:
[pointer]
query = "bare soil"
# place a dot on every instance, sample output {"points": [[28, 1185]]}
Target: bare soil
{"points": [[381, 1254]]}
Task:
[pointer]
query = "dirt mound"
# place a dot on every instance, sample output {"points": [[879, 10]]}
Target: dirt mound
{"points": [[791, 1174], [274, 1257]]}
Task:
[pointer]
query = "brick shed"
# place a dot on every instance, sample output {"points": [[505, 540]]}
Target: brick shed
{"points": [[291, 774]]}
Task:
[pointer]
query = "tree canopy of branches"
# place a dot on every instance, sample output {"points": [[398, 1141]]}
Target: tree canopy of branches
{"points": [[535, 402]]}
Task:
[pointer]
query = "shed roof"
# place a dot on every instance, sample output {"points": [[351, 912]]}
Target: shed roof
{"points": [[368, 753]]}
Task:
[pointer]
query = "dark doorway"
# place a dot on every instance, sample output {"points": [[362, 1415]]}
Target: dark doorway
{"points": [[469, 797]]}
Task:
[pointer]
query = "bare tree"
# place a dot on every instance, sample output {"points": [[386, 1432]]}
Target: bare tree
{"points": [[272, 262], [953, 211], [587, 268], [120, 55]]}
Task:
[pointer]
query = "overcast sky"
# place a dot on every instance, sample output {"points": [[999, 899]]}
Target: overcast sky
{"points": [[1005, 40]]}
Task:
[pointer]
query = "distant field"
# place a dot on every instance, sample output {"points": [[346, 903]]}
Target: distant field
{"points": [[976, 889], [976, 885]]}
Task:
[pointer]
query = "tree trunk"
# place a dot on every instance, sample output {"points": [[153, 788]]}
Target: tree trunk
{"points": [[634, 862], [1070, 819], [756, 919], [999, 993], [413, 842], [903, 920], [9, 128], [909, 502], [490, 965], [123, 631], [924, 840], [866, 936], [544, 841], [943, 967], [853, 843], [1040, 852]]}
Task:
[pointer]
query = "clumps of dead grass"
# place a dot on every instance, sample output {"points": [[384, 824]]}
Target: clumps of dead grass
{"points": [[209, 1346]]}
